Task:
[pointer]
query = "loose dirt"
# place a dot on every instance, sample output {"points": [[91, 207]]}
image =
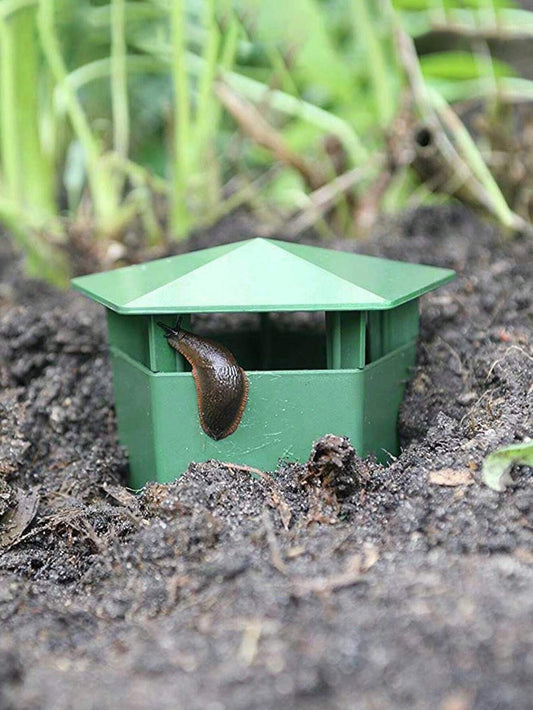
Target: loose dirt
{"points": [[227, 591]]}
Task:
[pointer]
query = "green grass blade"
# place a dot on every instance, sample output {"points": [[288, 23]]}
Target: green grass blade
{"points": [[103, 190], [119, 79], [206, 98], [28, 171], [180, 219], [371, 36], [304, 110]]}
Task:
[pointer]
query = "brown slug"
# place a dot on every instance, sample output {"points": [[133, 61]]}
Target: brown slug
{"points": [[221, 385]]}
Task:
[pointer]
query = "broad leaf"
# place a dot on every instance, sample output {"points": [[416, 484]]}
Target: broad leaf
{"points": [[496, 467]]}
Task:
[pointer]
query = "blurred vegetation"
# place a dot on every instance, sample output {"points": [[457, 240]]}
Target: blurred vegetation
{"points": [[132, 122]]}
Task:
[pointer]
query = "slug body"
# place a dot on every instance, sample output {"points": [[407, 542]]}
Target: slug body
{"points": [[221, 385]]}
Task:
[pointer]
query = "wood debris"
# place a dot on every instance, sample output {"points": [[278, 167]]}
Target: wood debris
{"points": [[451, 477]]}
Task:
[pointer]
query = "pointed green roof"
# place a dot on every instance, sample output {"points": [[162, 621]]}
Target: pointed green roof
{"points": [[261, 275]]}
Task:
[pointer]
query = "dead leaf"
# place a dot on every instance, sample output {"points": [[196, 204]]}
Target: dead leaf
{"points": [[121, 495], [451, 477], [15, 521]]}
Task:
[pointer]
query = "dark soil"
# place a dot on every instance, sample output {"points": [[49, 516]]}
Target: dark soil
{"points": [[404, 594]]}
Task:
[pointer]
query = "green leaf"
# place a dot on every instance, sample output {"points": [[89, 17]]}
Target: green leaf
{"points": [[462, 65], [430, 5], [496, 467], [301, 31]]}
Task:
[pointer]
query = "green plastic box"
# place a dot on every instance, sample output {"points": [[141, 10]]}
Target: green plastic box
{"points": [[347, 378]]}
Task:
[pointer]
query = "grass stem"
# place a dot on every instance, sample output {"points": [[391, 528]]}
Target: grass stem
{"points": [[28, 172], [373, 40], [103, 190], [119, 79], [179, 217]]}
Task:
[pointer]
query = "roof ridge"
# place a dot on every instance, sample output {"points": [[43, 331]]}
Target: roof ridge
{"points": [[328, 270]]}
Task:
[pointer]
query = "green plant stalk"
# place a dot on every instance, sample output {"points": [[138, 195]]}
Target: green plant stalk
{"points": [[368, 33], [298, 108], [103, 188], [206, 127], [102, 69], [9, 7], [257, 92], [8, 116], [119, 79], [28, 173], [206, 98], [43, 259], [506, 89], [179, 216], [474, 159], [227, 56], [511, 23]]}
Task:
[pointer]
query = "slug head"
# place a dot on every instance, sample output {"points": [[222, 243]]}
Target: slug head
{"points": [[169, 332]]}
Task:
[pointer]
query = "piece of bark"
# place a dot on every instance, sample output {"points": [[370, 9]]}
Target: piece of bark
{"points": [[17, 519], [334, 465]]}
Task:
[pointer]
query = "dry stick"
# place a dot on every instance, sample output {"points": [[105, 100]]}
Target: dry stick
{"points": [[450, 155], [250, 641], [355, 568], [275, 552], [494, 198], [254, 124], [250, 469], [322, 199], [409, 58], [486, 31]]}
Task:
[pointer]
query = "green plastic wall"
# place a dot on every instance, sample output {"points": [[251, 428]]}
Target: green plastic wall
{"points": [[287, 410], [369, 355]]}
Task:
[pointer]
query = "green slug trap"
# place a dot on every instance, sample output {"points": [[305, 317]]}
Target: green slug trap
{"points": [[306, 341]]}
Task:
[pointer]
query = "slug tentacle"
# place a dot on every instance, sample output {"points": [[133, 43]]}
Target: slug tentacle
{"points": [[168, 330], [221, 385]]}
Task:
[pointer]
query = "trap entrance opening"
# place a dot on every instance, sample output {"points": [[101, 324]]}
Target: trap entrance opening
{"points": [[288, 340], [301, 340], [268, 341]]}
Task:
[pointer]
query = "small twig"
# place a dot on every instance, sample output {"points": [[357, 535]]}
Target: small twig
{"points": [[257, 127], [275, 552], [250, 469], [474, 406], [322, 199], [460, 156], [355, 568], [250, 641], [484, 31], [506, 353], [174, 585]]}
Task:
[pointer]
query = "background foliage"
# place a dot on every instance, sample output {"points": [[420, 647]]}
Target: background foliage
{"points": [[133, 122]]}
